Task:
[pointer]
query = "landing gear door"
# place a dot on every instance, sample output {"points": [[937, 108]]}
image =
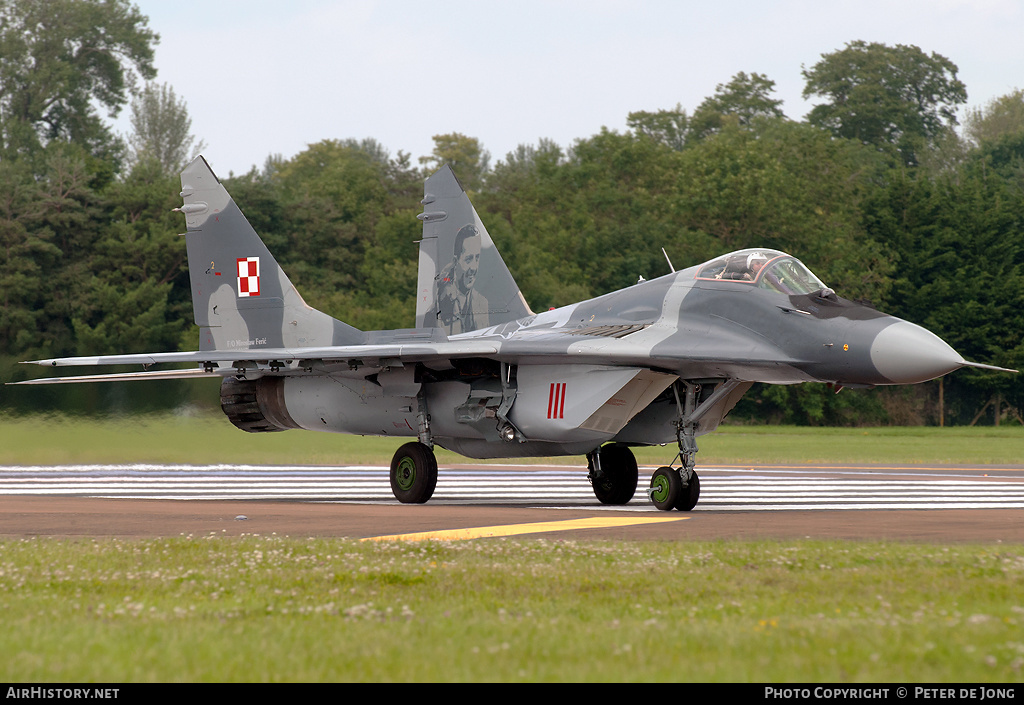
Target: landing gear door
{"points": [[563, 403]]}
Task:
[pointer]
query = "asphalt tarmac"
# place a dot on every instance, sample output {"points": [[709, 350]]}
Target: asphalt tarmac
{"points": [[83, 516]]}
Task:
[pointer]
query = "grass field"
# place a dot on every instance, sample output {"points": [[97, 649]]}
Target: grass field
{"points": [[167, 438], [273, 608], [268, 608]]}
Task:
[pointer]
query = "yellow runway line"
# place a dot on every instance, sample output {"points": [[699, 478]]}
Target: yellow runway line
{"points": [[516, 529]]}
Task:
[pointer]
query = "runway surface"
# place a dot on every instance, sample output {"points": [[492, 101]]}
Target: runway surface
{"points": [[905, 503], [722, 489]]}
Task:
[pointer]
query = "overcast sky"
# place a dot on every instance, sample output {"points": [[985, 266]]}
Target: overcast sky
{"points": [[265, 77]]}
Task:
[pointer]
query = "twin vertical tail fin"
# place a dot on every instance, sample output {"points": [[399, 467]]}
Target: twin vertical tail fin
{"points": [[241, 297], [243, 300], [463, 283]]}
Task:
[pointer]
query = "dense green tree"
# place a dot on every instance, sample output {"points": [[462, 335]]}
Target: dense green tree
{"points": [[895, 97], [59, 61], [466, 156], [1000, 116], [811, 405], [134, 295], [787, 186], [578, 224], [27, 257], [742, 100], [162, 129], [523, 169], [331, 192], [668, 127], [60, 216], [523, 209], [959, 268], [345, 228]]}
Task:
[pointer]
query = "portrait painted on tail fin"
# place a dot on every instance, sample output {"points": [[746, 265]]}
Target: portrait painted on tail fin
{"points": [[463, 282], [460, 307]]}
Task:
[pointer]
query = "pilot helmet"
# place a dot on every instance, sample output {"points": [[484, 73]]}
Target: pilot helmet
{"points": [[758, 257]]}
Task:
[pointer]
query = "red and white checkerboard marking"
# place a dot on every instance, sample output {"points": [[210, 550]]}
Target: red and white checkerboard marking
{"points": [[248, 276]]}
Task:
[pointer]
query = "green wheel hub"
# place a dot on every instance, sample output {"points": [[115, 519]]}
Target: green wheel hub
{"points": [[661, 488], [413, 473], [406, 473], [666, 485]]}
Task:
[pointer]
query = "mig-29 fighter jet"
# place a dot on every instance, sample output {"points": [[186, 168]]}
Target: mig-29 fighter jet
{"points": [[481, 374]]}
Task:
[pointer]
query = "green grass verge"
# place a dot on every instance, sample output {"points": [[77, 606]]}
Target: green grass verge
{"points": [[255, 608], [269, 608], [167, 438]]}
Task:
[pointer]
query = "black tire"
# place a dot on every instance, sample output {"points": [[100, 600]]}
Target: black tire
{"points": [[413, 473], [666, 486], [617, 484], [689, 495]]}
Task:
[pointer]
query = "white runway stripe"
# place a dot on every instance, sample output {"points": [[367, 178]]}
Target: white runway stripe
{"points": [[721, 489]]}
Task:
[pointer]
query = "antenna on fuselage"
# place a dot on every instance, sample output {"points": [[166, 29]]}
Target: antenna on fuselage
{"points": [[668, 260]]}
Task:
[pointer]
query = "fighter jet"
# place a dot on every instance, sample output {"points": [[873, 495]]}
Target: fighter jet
{"points": [[481, 374]]}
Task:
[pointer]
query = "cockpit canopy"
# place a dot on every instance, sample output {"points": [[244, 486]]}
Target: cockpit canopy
{"points": [[767, 269]]}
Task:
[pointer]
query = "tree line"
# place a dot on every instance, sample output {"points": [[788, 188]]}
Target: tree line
{"points": [[880, 190]]}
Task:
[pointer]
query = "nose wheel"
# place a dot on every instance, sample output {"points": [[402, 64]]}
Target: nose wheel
{"points": [[669, 491]]}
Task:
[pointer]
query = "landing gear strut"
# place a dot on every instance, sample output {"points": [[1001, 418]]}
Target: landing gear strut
{"points": [[679, 488], [613, 473], [414, 467]]}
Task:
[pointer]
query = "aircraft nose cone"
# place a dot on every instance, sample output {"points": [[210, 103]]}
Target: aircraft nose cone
{"points": [[906, 354]]}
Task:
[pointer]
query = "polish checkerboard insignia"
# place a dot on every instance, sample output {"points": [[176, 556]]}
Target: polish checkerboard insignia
{"points": [[248, 276]]}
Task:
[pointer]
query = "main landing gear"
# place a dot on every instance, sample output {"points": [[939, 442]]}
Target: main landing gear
{"points": [[413, 473], [613, 473], [414, 467]]}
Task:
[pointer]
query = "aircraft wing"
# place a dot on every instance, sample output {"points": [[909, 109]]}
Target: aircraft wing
{"points": [[365, 354]]}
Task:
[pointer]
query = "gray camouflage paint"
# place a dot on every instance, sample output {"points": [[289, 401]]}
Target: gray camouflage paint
{"points": [[218, 236], [585, 374], [495, 297]]}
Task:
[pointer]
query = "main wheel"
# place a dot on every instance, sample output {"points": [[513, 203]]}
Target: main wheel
{"points": [[619, 475], [413, 473], [666, 487], [689, 495]]}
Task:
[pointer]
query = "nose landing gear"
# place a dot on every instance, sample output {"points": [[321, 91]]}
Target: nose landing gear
{"points": [[668, 491], [679, 488]]}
